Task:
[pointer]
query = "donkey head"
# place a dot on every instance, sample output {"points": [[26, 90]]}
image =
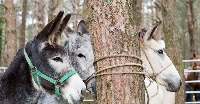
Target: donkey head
{"points": [[156, 62], [196, 65], [81, 53], [52, 60]]}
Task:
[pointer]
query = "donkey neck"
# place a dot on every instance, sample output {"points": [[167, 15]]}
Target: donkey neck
{"points": [[16, 83], [146, 62]]}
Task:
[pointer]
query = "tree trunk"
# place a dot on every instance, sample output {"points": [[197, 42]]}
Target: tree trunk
{"points": [[52, 6], [159, 19], [11, 30], [76, 11], [1, 36], [171, 37], [136, 12], [40, 19], [190, 21], [3, 44], [22, 36], [112, 32]]}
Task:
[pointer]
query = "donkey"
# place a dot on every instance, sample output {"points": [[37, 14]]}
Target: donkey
{"points": [[81, 57], [158, 65], [81, 54], [42, 66], [194, 76]]}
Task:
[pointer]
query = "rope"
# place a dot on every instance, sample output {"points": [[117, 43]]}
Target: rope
{"points": [[153, 76], [113, 56], [96, 74]]}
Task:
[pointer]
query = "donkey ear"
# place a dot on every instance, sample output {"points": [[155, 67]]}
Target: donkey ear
{"points": [[82, 28], [50, 28], [61, 27], [68, 31], [151, 32], [66, 47], [194, 55]]}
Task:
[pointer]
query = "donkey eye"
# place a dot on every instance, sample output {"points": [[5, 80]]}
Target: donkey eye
{"points": [[160, 51], [57, 59], [79, 33], [81, 55]]}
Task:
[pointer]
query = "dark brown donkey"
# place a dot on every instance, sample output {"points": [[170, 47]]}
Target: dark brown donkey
{"points": [[194, 76]]}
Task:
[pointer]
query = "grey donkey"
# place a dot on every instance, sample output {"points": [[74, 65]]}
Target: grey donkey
{"points": [[81, 57]]}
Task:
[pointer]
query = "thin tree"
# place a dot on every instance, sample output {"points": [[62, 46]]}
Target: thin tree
{"points": [[53, 4], [112, 31], [23, 26], [76, 12], [159, 19], [171, 37], [136, 12], [3, 46], [190, 22], [10, 20], [40, 17]]}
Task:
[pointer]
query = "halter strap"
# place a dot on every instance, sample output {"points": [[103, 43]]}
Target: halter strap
{"points": [[57, 83], [154, 74]]}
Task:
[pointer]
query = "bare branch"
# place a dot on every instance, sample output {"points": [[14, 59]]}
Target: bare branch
{"points": [[3, 6], [72, 3]]}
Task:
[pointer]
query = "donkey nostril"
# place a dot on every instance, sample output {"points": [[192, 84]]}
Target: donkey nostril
{"points": [[180, 82], [83, 92]]}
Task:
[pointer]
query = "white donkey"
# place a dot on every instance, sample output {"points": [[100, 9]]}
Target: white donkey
{"points": [[159, 68]]}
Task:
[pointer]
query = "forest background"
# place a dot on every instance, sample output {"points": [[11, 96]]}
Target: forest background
{"points": [[21, 20]]}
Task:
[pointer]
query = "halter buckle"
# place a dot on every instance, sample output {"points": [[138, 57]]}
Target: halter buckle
{"points": [[34, 69], [58, 83]]}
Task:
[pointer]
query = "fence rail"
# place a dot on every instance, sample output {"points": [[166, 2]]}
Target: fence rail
{"points": [[192, 81], [3, 69]]}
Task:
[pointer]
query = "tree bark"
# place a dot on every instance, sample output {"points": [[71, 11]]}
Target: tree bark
{"points": [[40, 19], [76, 13], [159, 19], [171, 37], [10, 30], [190, 22], [22, 36], [137, 13], [52, 6], [3, 44], [112, 32], [1, 37]]}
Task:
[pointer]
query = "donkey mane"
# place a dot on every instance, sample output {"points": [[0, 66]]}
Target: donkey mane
{"points": [[12, 79]]}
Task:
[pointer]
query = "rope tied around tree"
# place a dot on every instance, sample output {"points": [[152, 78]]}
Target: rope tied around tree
{"points": [[98, 73], [144, 73]]}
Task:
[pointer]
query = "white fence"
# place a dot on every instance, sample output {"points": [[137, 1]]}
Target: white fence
{"points": [[192, 81], [3, 69]]}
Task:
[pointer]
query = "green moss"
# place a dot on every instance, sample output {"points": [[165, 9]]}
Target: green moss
{"points": [[108, 85]]}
